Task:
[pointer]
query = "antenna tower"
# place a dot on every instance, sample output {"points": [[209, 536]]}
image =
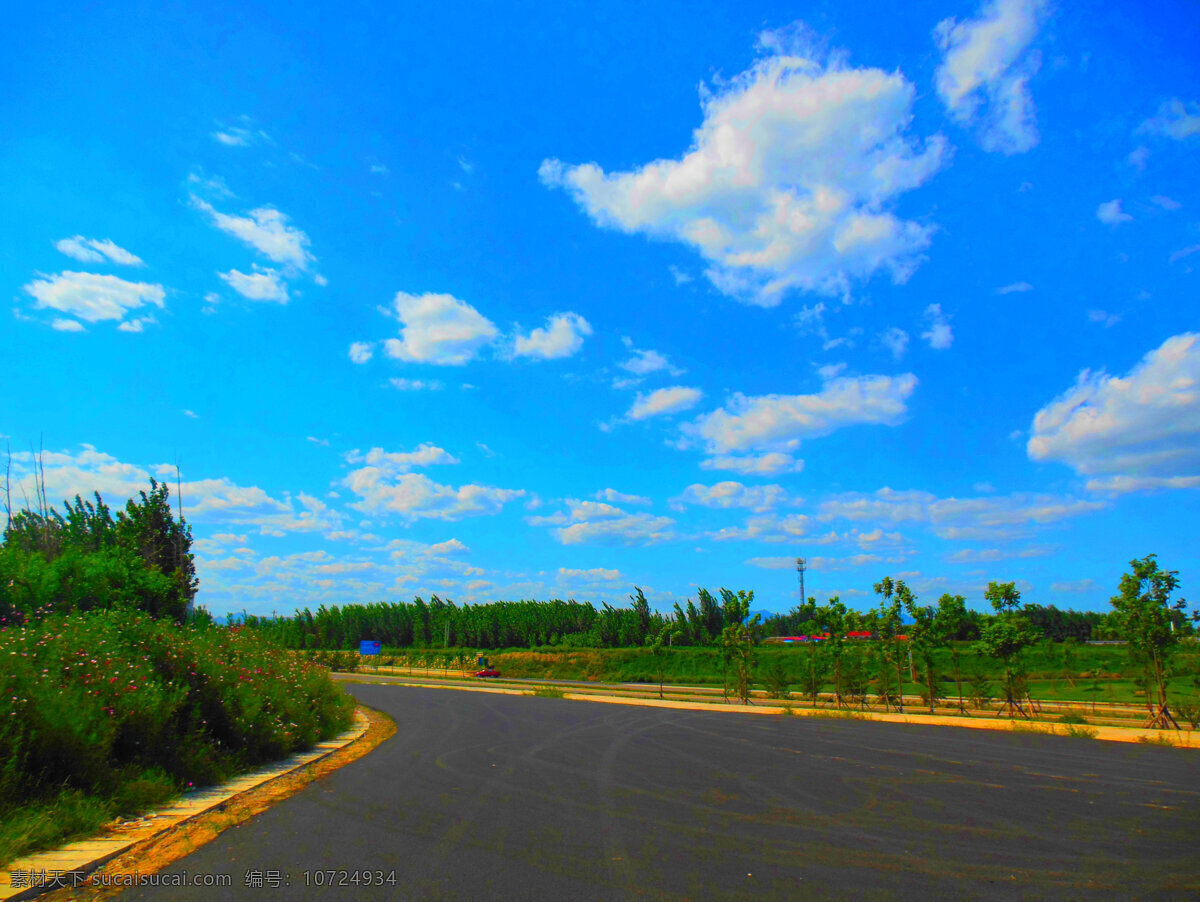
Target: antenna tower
{"points": [[801, 566]]}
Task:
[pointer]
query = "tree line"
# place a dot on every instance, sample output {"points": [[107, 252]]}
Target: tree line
{"points": [[88, 557]]}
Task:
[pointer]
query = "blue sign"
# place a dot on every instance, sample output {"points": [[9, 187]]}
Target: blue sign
{"points": [[367, 647]]}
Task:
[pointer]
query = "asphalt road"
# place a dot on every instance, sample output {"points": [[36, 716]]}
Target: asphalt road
{"points": [[492, 797]]}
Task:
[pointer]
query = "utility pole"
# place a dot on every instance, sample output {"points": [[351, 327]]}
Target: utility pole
{"points": [[801, 566]]}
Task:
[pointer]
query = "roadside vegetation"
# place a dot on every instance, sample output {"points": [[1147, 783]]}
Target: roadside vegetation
{"points": [[1007, 661], [117, 694]]}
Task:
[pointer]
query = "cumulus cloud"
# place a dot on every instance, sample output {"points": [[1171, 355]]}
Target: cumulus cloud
{"points": [[215, 501], [1176, 119], [91, 297], [732, 494], [769, 464], [93, 250], [425, 455], [781, 422], [362, 351], [615, 497], [664, 401], [1110, 213], [940, 336], [450, 546], [1015, 287], [438, 329], [263, 284], [414, 496], [266, 230], [594, 522], [789, 181], [1134, 432], [562, 336], [984, 75], [643, 362]]}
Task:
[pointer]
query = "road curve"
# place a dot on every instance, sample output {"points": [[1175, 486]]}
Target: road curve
{"points": [[493, 797]]}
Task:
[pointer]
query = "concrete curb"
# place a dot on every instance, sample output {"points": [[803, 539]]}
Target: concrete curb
{"points": [[1004, 725], [56, 869]]}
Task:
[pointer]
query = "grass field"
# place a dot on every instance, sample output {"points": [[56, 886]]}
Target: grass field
{"points": [[1056, 671]]}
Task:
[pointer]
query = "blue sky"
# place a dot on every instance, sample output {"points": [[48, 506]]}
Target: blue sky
{"points": [[556, 302]]}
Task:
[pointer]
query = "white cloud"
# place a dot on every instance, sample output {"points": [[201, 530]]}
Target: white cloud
{"points": [[317, 441], [644, 362], [664, 401], [92, 250], [137, 324], [562, 337], [379, 169], [362, 351], [263, 284], [415, 496], [991, 555], [401, 384], [984, 75], [266, 230], [92, 297], [956, 518], [66, 325], [596, 574], [780, 422], [1014, 287], [1138, 431], [1175, 119], [1167, 203], [191, 414], [823, 564], [615, 497], [219, 502], [769, 464], [1110, 213], [593, 522], [896, 341], [789, 181], [940, 336], [732, 494], [438, 329], [450, 546], [426, 455]]}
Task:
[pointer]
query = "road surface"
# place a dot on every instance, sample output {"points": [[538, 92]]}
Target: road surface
{"points": [[495, 797]]}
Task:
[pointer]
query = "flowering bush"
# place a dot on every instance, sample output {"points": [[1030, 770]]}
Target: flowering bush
{"points": [[94, 702]]}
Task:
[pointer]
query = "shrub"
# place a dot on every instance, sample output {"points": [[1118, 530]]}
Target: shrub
{"points": [[121, 707]]}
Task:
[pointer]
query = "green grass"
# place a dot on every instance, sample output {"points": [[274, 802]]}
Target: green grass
{"points": [[547, 692]]}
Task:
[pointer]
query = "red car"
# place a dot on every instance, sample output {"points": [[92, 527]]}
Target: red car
{"points": [[490, 672]]}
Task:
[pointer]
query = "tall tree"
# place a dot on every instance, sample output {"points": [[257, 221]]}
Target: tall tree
{"points": [[948, 622], [1147, 619], [831, 618], [888, 625], [924, 639], [738, 639], [1004, 639]]}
